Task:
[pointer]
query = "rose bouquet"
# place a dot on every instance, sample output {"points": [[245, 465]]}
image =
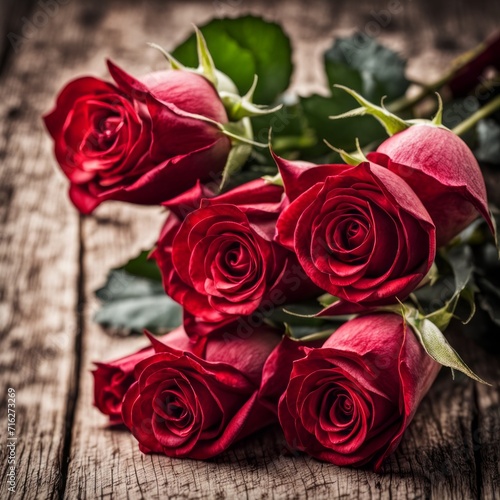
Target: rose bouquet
{"points": [[292, 281]]}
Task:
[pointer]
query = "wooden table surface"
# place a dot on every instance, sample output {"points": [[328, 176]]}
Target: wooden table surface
{"points": [[51, 260]]}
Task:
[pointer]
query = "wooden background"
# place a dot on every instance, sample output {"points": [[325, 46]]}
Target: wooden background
{"points": [[51, 259]]}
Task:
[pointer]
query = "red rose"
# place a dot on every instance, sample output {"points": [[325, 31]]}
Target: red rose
{"points": [[443, 172], [221, 262], [184, 405], [113, 379], [350, 401], [136, 141], [360, 233]]}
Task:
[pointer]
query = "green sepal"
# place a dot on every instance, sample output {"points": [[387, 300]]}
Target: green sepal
{"points": [[275, 180], [221, 81], [241, 131], [327, 300], [206, 63], [236, 159], [354, 158], [308, 334], [174, 63], [437, 347], [392, 123], [241, 138], [238, 107], [438, 117]]}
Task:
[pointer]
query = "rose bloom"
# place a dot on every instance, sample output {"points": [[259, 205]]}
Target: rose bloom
{"points": [[113, 379], [360, 233], [135, 140], [350, 401], [442, 171], [184, 405], [220, 261]]}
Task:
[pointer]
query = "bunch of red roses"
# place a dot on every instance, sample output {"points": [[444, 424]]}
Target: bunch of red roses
{"points": [[364, 233]]}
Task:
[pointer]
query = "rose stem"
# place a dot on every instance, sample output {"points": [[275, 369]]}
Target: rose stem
{"points": [[481, 113], [405, 103]]}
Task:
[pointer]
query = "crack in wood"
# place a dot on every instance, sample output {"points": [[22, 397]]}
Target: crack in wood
{"points": [[75, 374]]}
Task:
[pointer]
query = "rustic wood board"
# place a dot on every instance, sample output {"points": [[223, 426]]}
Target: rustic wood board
{"points": [[39, 272], [51, 261]]}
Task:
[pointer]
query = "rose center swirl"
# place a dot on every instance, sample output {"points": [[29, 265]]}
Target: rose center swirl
{"points": [[232, 261], [170, 406], [341, 407], [344, 235]]}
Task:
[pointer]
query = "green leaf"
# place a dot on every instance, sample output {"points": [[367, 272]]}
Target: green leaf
{"points": [[244, 47], [461, 262], [438, 348], [141, 266], [361, 63], [132, 303], [469, 297], [438, 301], [489, 299]]}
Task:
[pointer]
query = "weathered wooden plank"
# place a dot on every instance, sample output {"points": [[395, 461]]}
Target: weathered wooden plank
{"points": [[39, 273], [486, 425], [13, 17], [437, 456], [102, 462]]}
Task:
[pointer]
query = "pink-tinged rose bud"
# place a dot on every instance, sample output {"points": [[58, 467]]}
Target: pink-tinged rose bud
{"points": [[113, 379], [360, 233], [184, 405], [442, 171], [350, 401], [137, 140]]}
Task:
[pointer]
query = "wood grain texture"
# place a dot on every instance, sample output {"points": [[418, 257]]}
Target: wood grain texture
{"points": [[51, 261], [39, 274], [13, 28]]}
